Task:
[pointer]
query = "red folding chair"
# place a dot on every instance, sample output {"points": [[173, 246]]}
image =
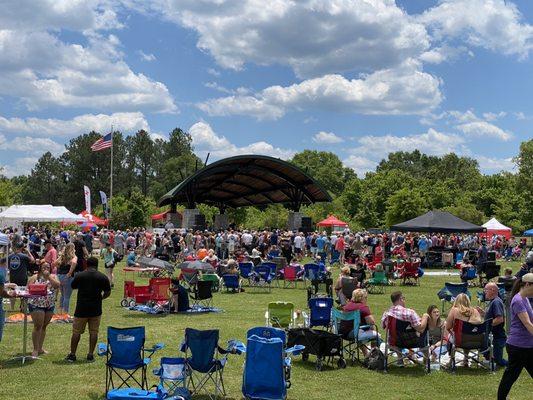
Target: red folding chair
{"points": [[290, 277]]}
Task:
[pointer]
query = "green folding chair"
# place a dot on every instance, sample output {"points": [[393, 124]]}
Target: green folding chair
{"points": [[212, 278], [376, 284], [280, 314]]}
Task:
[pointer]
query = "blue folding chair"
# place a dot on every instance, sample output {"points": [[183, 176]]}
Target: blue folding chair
{"points": [[204, 363], [319, 312], [231, 282], [450, 291], [261, 278], [311, 273], [172, 374], [271, 265], [267, 367], [245, 270], [125, 355]]}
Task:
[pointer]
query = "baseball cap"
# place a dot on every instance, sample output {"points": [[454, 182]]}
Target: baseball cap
{"points": [[528, 278]]}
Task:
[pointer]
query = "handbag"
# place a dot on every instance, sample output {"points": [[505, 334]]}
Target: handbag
{"points": [[38, 289]]}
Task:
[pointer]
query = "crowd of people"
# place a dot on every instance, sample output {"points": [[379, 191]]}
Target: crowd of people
{"points": [[68, 260]]}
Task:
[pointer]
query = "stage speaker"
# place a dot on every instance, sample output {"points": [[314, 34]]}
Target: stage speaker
{"points": [[199, 219]]}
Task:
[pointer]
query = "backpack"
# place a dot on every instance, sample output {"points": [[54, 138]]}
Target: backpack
{"points": [[375, 360]]}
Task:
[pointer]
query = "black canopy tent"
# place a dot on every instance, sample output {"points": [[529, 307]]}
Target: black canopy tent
{"points": [[437, 222]]}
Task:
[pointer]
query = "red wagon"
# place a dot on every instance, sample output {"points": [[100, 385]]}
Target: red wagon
{"points": [[156, 292]]}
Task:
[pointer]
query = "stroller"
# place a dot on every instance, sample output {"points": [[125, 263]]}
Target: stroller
{"points": [[324, 345]]}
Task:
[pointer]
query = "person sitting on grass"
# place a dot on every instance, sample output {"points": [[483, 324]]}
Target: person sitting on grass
{"points": [[131, 261], [437, 332], [358, 302]]}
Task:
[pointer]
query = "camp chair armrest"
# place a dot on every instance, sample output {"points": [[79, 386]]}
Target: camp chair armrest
{"points": [[102, 349], [306, 318], [147, 360], [183, 346], [295, 350], [155, 347], [157, 371], [236, 347]]}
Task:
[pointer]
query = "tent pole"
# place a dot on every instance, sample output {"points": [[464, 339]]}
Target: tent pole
{"points": [[111, 177]]}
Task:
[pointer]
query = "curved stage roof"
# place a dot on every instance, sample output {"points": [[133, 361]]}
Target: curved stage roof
{"points": [[247, 180]]}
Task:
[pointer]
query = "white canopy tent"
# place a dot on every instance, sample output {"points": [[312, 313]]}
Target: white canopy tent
{"points": [[17, 214], [495, 227]]}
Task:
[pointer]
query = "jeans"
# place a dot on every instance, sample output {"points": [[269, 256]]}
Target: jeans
{"points": [[66, 291], [498, 345], [519, 358], [2, 319]]}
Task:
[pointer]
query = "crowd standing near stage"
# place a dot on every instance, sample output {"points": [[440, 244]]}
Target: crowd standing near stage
{"points": [[67, 260]]}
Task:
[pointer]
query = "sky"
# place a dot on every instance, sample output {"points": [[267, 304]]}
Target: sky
{"points": [[360, 78]]}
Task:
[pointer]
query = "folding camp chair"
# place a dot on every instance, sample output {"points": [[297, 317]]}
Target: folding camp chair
{"points": [[409, 273], [450, 291], [172, 374], [402, 339], [204, 364], [319, 312], [267, 369], [271, 265], [290, 277], [467, 338], [159, 290], [352, 349], [261, 278], [245, 270], [376, 284], [201, 294], [214, 279], [280, 315], [311, 273], [125, 356], [189, 276], [231, 282]]}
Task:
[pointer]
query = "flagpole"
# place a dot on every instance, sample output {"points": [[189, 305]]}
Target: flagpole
{"points": [[111, 180]]}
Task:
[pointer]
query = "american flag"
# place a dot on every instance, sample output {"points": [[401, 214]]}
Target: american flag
{"points": [[103, 143]]}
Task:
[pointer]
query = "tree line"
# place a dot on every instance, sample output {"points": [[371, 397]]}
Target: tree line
{"points": [[404, 185]]}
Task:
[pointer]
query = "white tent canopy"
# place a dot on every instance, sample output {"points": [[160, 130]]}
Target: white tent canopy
{"points": [[495, 225], [39, 213]]}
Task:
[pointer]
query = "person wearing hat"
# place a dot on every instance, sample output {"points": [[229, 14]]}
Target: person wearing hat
{"points": [[520, 339]]}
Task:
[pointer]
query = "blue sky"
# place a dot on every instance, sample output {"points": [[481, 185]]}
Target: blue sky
{"points": [[359, 78]]}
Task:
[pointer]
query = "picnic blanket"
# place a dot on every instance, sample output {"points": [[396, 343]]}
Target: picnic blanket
{"points": [[157, 309], [57, 318]]}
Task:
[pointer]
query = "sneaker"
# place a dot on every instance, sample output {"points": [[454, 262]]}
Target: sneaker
{"points": [[90, 357], [70, 358]]}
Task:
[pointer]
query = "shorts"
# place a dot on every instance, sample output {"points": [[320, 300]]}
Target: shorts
{"points": [[298, 250], [110, 266], [32, 308], [79, 324]]}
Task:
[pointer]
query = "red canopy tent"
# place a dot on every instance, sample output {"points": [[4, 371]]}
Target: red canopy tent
{"points": [[93, 218], [332, 221], [495, 227], [160, 217]]}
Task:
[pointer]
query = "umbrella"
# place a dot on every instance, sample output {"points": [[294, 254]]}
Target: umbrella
{"points": [[149, 262], [529, 232], [199, 265]]}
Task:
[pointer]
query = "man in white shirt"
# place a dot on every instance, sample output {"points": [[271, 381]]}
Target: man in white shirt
{"points": [[299, 242]]}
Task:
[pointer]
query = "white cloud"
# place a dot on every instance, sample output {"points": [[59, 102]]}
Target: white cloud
{"points": [[76, 15], [361, 165], [213, 72], [490, 116], [124, 122], [42, 70], [327, 138], [440, 54], [31, 145], [491, 24], [20, 166], [312, 37], [432, 142], [403, 90], [205, 140], [495, 164], [146, 57], [484, 129]]}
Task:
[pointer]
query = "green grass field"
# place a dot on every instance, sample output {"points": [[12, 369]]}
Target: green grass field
{"points": [[52, 378]]}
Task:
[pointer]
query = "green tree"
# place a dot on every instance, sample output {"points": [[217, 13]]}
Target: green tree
{"points": [[404, 205], [142, 154], [326, 168], [49, 175]]}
